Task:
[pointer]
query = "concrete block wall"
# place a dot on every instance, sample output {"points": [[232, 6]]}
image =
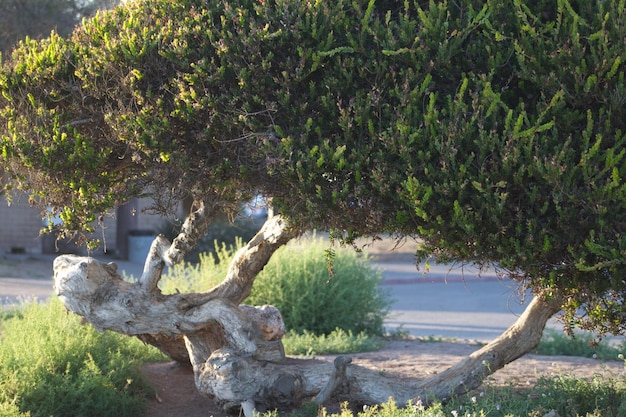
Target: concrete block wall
{"points": [[147, 221], [19, 226]]}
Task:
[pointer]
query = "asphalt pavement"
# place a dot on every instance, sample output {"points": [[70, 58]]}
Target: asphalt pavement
{"points": [[15, 289], [451, 302], [439, 301]]}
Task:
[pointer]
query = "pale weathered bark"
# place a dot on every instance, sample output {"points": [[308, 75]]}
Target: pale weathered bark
{"points": [[522, 337], [95, 290], [236, 350], [358, 385]]}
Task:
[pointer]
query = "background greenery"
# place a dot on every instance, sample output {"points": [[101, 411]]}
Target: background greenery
{"points": [[52, 365], [494, 131], [297, 280]]}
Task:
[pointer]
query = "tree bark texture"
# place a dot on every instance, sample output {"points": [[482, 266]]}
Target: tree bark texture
{"points": [[236, 351]]}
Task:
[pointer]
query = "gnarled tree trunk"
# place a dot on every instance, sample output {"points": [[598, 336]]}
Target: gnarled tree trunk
{"points": [[235, 350]]}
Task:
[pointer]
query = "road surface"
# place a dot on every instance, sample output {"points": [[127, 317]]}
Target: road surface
{"points": [[443, 302]]}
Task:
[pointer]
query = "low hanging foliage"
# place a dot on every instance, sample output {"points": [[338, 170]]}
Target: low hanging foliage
{"points": [[494, 131]]}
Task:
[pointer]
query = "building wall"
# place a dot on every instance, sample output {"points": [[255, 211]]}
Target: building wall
{"points": [[147, 221], [19, 226]]}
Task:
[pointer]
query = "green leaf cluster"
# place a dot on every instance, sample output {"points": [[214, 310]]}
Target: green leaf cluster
{"points": [[493, 130]]}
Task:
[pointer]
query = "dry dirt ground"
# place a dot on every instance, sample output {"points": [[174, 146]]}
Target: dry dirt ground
{"points": [[175, 394]]}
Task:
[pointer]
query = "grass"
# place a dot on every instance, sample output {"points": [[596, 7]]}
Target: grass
{"points": [[52, 365], [337, 342], [563, 396], [9, 312], [581, 344], [388, 409]]}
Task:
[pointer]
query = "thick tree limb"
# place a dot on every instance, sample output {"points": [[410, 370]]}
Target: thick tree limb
{"points": [[195, 225], [155, 262], [337, 378], [252, 258], [96, 292], [236, 351], [519, 339], [245, 266], [163, 253]]}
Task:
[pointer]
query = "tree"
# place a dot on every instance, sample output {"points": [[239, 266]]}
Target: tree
{"points": [[494, 132], [36, 18]]}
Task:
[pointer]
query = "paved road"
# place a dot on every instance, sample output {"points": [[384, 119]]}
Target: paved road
{"points": [[458, 303], [443, 302], [14, 290]]}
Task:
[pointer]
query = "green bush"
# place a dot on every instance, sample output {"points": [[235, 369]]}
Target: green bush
{"points": [[11, 410], [297, 281], [69, 369], [570, 396]]}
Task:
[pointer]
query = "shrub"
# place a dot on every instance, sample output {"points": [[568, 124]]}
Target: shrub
{"points": [[69, 369], [570, 396], [11, 410], [580, 344], [559, 395], [297, 281]]}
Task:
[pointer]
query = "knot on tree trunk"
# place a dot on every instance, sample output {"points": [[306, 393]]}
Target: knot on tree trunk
{"points": [[338, 381]]}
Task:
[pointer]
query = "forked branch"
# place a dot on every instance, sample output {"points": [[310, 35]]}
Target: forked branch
{"points": [[235, 350]]}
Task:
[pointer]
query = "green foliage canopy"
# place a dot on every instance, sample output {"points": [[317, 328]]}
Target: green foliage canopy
{"points": [[494, 131]]}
